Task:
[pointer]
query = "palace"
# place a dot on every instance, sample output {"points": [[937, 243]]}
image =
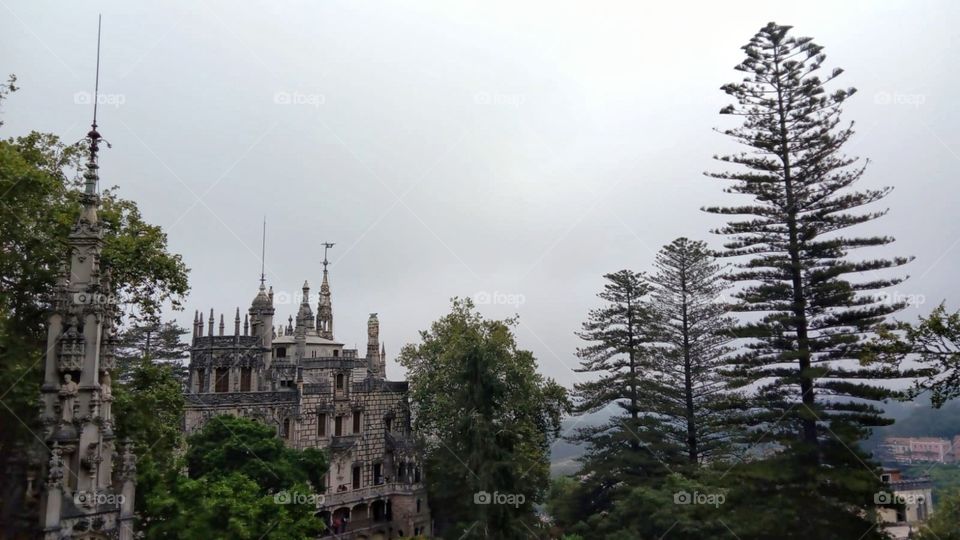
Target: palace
{"points": [[317, 394]]}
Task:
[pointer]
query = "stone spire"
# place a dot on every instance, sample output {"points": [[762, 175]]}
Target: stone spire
{"points": [[305, 314], [373, 345], [383, 360], [325, 306], [76, 419], [261, 321]]}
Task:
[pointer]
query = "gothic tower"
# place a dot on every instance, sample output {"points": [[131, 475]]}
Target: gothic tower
{"points": [[80, 495]]}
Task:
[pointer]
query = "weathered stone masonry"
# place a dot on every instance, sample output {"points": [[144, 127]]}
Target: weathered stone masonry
{"points": [[317, 394]]}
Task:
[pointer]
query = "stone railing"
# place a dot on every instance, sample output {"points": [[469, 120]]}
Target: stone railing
{"points": [[343, 442], [331, 362], [317, 388], [373, 385], [368, 494], [225, 342], [240, 398]]}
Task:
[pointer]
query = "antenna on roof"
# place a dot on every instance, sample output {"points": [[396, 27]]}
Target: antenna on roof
{"points": [[263, 253]]}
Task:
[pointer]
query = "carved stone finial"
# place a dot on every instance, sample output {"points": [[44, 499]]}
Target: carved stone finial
{"points": [[55, 469], [128, 466]]}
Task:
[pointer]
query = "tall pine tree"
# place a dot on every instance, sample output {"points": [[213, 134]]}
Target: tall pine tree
{"points": [[627, 449], [694, 333], [810, 304], [161, 343]]}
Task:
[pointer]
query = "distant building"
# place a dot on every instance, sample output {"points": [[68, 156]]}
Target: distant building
{"points": [[919, 449], [915, 497], [318, 394]]}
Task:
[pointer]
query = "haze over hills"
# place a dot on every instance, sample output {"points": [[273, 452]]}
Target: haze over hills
{"points": [[911, 419]]}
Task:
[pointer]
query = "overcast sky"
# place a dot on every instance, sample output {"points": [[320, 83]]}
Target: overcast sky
{"points": [[515, 150]]}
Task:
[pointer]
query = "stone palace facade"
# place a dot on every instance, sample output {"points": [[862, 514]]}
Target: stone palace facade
{"points": [[317, 394]]}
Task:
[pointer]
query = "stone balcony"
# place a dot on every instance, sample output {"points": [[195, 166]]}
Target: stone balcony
{"points": [[343, 442], [369, 493]]}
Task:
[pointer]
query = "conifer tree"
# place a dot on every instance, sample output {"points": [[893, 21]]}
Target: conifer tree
{"points": [[808, 304], [694, 334], [160, 343], [627, 449]]}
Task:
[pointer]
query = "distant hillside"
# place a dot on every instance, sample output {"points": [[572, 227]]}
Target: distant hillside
{"points": [[563, 454], [918, 419], [912, 419]]}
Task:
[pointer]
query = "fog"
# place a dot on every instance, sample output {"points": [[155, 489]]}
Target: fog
{"points": [[509, 153]]}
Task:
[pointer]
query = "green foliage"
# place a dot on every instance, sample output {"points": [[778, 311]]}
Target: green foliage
{"points": [[152, 403], [160, 343], [933, 344], [628, 449], [620, 336], [486, 418], [229, 444], [797, 278], [560, 503], [242, 482], [944, 476], [228, 507], [810, 308], [806, 313], [691, 398], [945, 522], [7, 88]]}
